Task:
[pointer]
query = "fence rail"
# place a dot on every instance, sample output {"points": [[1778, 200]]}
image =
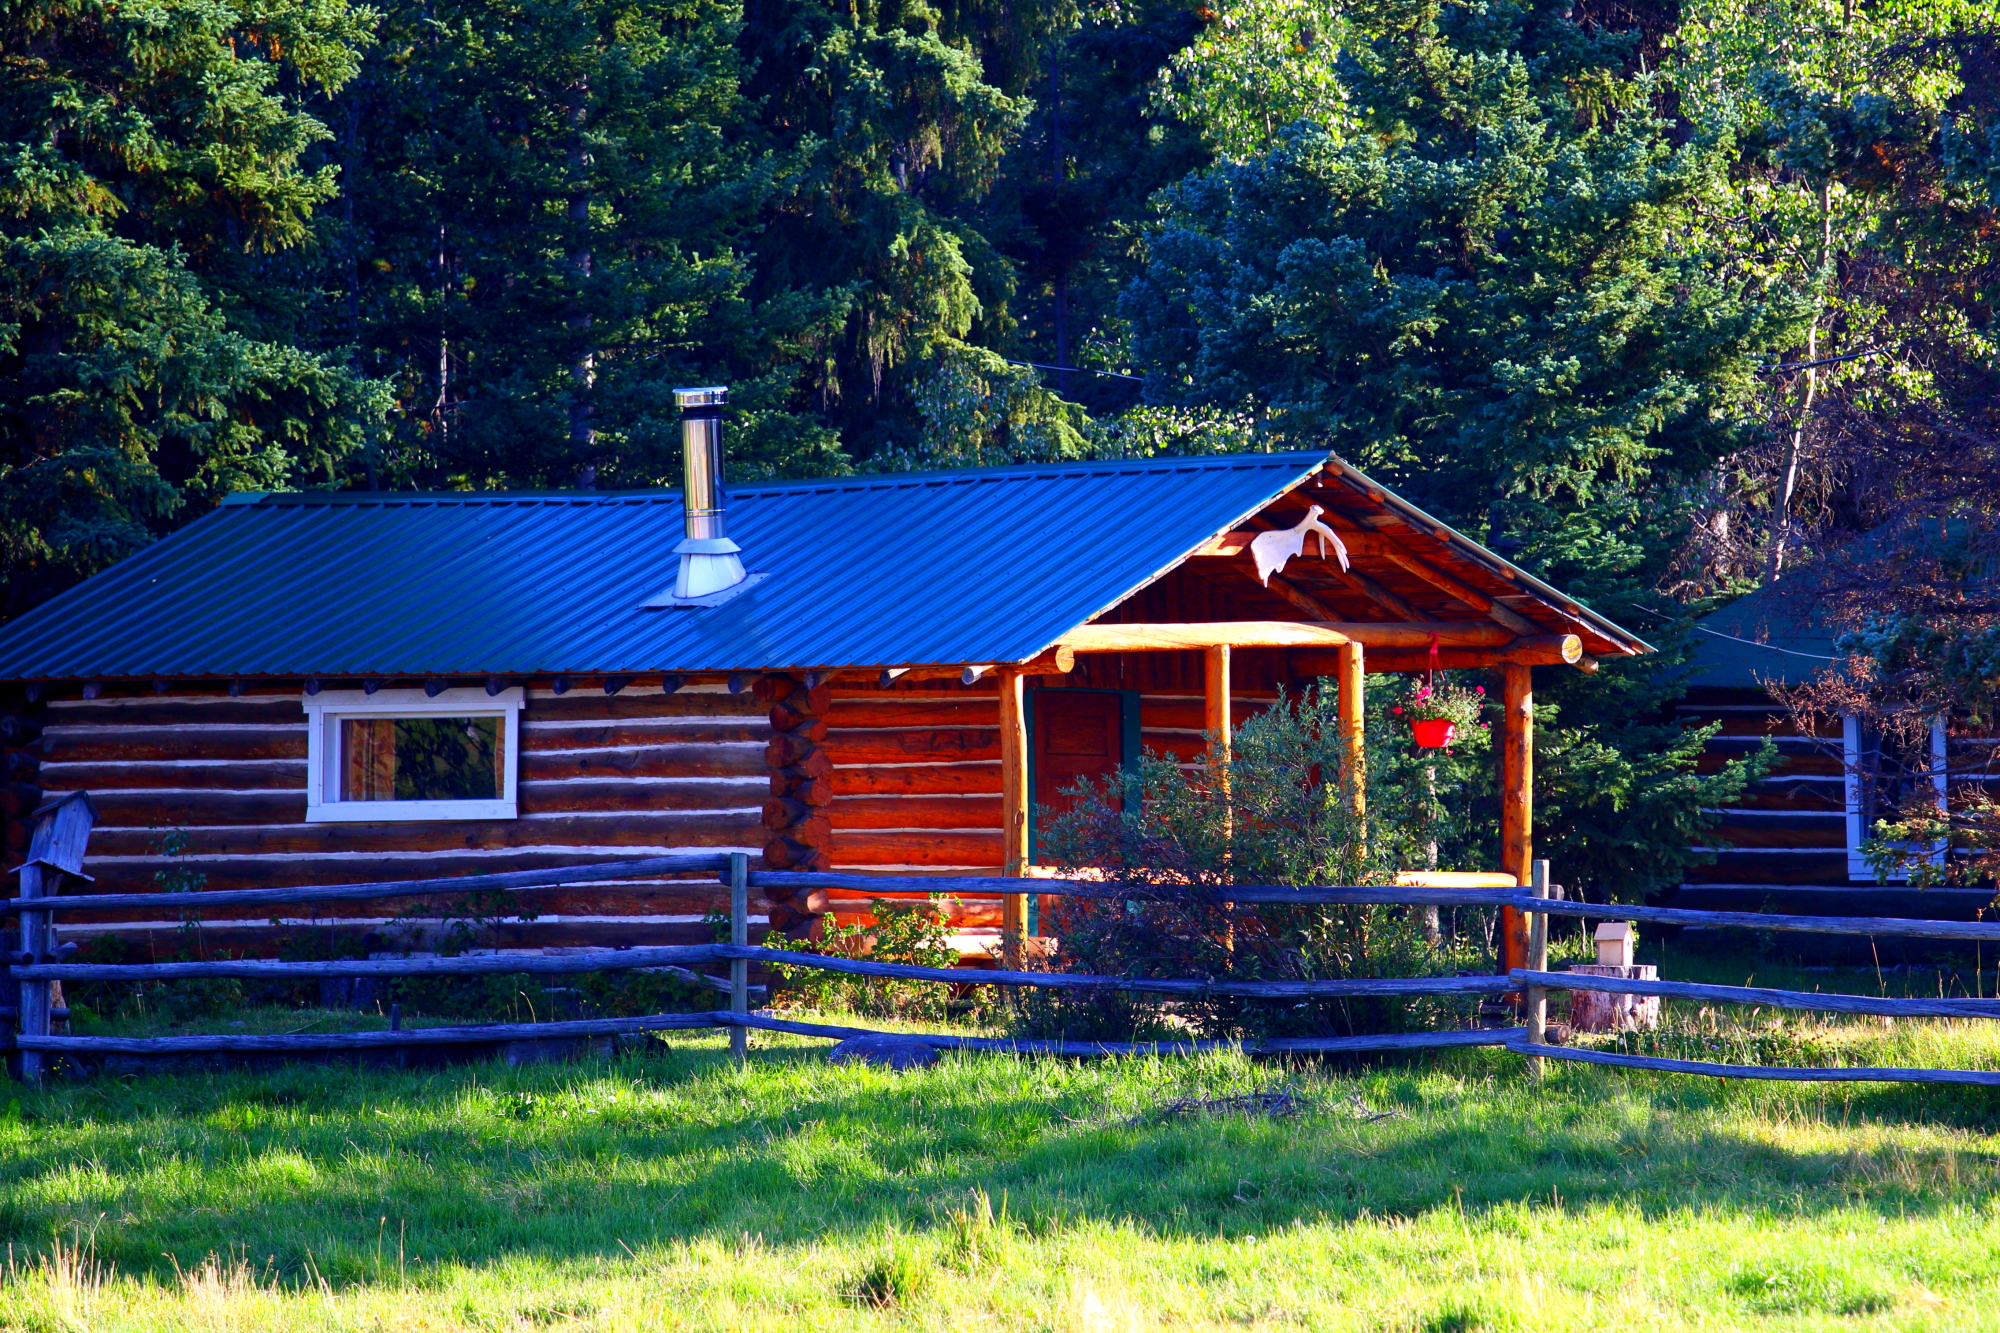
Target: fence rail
{"points": [[505, 881], [1775, 1073], [1888, 926], [61, 830], [1833, 1003], [791, 881]]}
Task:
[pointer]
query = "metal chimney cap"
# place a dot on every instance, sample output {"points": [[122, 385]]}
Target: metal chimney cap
{"points": [[715, 395]]}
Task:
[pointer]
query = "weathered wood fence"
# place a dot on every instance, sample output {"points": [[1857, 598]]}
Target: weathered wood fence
{"points": [[62, 830]]}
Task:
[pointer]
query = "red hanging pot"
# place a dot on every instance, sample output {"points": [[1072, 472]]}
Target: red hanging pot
{"points": [[1434, 733]]}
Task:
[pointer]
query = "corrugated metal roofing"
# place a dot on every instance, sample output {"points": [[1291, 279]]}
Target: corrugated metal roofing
{"points": [[942, 567]]}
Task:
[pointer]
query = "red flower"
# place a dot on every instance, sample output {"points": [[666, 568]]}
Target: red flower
{"points": [[1397, 709]]}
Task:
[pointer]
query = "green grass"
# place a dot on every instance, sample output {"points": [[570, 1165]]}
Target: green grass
{"points": [[669, 1190]]}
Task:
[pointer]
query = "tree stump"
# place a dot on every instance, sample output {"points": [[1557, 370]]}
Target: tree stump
{"points": [[1596, 1011]]}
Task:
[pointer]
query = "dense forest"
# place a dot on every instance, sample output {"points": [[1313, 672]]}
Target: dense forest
{"points": [[1662, 300]]}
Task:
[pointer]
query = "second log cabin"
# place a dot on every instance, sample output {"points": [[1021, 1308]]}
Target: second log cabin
{"points": [[871, 674]]}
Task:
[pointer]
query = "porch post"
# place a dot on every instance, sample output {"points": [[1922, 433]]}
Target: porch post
{"points": [[1215, 699], [1517, 802], [1014, 798], [1352, 736], [1215, 687]]}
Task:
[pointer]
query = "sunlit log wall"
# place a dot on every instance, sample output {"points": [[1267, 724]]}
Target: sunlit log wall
{"points": [[601, 778], [916, 767]]}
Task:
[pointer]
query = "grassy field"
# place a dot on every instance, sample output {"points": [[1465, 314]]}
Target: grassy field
{"points": [[668, 1189]]}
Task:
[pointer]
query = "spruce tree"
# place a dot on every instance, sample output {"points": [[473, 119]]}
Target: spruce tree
{"points": [[152, 168]]}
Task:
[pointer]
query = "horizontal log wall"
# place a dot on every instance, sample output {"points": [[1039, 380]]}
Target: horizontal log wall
{"points": [[1783, 842], [1789, 828], [600, 778], [916, 791]]}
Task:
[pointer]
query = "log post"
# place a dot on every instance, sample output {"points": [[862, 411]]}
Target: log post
{"points": [[1538, 961], [1215, 704], [739, 968], [1215, 689], [801, 791], [33, 1019], [1014, 798], [1353, 736], [1517, 802]]}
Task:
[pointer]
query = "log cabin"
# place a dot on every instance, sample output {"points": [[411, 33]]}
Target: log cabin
{"points": [[1793, 842], [875, 674]]}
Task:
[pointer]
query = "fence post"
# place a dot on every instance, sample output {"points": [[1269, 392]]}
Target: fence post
{"points": [[34, 1015], [55, 849], [1538, 961], [739, 968]]}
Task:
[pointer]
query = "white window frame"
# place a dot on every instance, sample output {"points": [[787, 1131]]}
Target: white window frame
{"points": [[1851, 789], [327, 710]]}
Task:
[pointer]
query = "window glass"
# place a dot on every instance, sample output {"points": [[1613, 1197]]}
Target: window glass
{"points": [[422, 758]]}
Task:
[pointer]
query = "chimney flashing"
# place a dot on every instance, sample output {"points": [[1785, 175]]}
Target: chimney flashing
{"points": [[710, 563]]}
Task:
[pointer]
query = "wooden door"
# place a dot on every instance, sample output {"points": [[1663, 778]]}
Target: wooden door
{"points": [[1078, 733]]}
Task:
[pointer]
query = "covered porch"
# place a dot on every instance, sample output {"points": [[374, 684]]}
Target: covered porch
{"points": [[1231, 624]]}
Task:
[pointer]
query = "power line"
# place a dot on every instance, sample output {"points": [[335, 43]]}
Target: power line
{"points": [[1080, 370], [1823, 361], [1789, 652]]}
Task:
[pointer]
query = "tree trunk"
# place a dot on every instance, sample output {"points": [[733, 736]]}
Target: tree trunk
{"points": [[1795, 447], [583, 357]]}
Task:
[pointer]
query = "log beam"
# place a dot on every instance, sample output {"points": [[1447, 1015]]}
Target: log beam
{"points": [[1381, 596], [1014, 798], [1057, 661], [1300, 598], [1536, 650], [1459, 591], [1517, 786], [1396, 606], [1117, 638]]}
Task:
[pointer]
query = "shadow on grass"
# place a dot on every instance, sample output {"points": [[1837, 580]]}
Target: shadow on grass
{"points": [[364, 1176]]}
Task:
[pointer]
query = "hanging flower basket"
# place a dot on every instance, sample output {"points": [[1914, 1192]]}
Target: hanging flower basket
{"points": [[1438, 712], [1434, 733]]}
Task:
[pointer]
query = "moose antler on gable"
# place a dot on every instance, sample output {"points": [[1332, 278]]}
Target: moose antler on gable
{"points": [[1273, 550]]}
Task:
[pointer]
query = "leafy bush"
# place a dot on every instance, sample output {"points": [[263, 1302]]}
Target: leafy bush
{"points": [[1280, 812], [913, 933], [170, 1002]]}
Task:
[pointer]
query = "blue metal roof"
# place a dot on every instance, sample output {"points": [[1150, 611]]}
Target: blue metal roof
{"points": [[1759, 640], [911, 568]]}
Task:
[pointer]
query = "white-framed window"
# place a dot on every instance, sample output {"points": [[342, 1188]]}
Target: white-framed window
{"points": [[1878, 782], [401, 754]]}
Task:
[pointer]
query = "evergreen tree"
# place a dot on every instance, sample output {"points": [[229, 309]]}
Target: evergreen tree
{"points": [[1487, 295], [891, 133], [546, 208], [1075, 193], [151, 169]]}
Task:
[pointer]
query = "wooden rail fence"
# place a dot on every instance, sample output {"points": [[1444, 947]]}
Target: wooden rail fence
{"points": [[62, 830]]}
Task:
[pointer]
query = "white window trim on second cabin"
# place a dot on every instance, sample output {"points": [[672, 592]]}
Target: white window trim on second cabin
{"points": [[1851, 786], [327, 710]]}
